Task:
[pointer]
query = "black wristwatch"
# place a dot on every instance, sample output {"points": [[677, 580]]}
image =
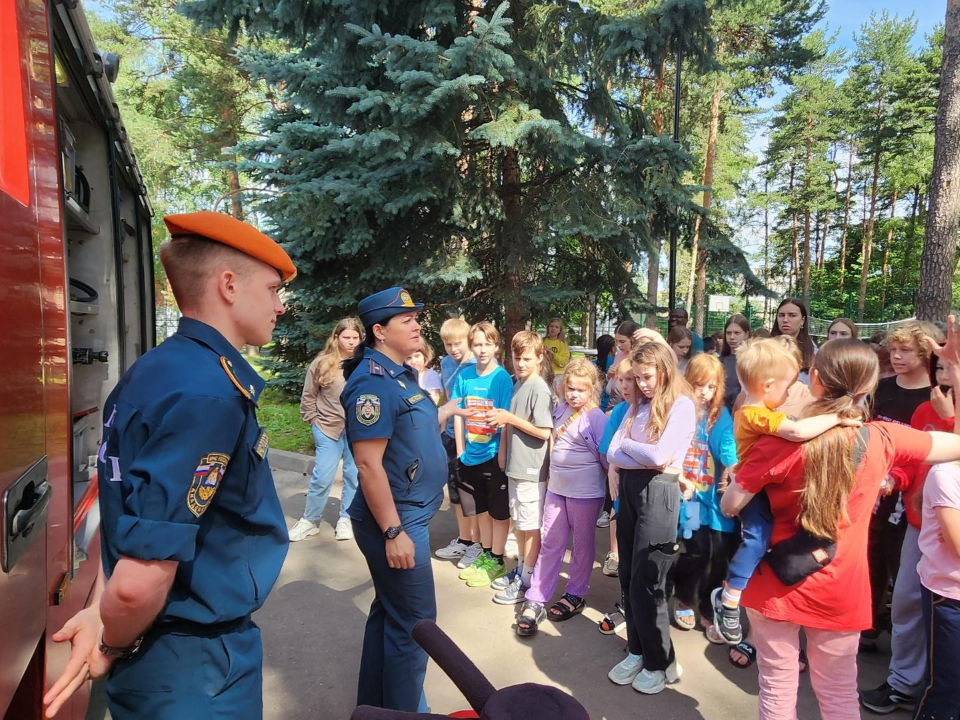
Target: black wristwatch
{"points": [[119, 653], [391, 532]]}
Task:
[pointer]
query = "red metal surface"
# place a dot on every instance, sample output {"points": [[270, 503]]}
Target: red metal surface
{"points": [[23, 365]]}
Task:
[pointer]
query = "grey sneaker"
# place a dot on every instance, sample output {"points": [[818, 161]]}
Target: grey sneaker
{"points": [[625, 671], [303, 529], [885, 699], [512, 594], [470, 556], [503, 582]]}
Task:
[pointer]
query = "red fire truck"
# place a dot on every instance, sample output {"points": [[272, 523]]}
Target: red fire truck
{"points": [[76, 309]]}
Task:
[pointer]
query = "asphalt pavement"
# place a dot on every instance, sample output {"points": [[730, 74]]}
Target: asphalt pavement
{"points": [[313, 622]]}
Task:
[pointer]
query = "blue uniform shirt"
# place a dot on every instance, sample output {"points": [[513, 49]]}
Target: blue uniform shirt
{"points": [[382, 400], [183, 476]]}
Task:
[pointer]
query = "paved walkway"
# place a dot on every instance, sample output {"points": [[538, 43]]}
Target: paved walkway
{"points": [[313, 624]]}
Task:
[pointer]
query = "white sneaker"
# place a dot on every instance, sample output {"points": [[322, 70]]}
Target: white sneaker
{"points": [[344, 529], [453, 550], [469, 556], [303, 529], [624, 672], [604, 520], [512, 594], [651, 682]]}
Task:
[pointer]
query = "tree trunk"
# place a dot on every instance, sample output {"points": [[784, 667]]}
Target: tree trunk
{"points": [[233, 184], [871, 218], [766, 246], [698, 260], [911, 239], [795, 238], [807, 228], [653, 257], [514, 306], [886, 249], [940, 240], [846, 217]]}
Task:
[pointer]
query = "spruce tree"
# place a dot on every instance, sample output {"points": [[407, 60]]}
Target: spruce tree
{"points": [[457, 148]]}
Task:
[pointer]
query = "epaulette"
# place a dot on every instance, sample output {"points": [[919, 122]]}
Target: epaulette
{"points": [[374, 368], [228, 369]]}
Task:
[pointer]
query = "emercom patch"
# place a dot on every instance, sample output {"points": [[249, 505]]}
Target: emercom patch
{"points": [[368, 409], [206, 480]]}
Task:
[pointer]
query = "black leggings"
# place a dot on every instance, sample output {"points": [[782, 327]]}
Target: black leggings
{"points": [[647, 519]]}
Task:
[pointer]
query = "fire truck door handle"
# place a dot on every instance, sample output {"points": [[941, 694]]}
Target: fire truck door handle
{"points": [[31, 510], [23, 513]]}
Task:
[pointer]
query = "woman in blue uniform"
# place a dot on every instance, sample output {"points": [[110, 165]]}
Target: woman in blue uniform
{"points": [[394, 430]]}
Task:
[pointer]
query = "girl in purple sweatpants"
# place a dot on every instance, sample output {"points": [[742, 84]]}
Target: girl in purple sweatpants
{"points": [[575, 495]]}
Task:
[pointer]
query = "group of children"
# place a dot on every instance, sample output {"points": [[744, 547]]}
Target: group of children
{"points": [[649, 429]]}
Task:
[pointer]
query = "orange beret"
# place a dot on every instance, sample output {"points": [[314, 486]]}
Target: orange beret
{"points": [[230, 231]]}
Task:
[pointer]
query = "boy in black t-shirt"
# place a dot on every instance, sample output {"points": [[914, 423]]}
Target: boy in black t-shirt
{"points": [[896, 399]]}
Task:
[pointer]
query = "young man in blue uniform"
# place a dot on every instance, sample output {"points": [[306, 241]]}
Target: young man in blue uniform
{"points": [[394, 431], [192, 530]]}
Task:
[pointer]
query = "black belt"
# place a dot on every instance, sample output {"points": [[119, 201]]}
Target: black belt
{"points": [[207, 630]]}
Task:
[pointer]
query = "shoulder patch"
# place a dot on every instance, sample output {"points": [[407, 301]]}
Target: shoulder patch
{"points": [[368, 409], [206, 480], [228, 369]]}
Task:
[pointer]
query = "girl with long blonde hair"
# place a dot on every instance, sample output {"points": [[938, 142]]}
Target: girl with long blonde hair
{"points": [[827, 489], [649, 449], [320, 407]]}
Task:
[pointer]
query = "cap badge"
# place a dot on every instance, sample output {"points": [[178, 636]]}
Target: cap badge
{"points": [[406, 299]]}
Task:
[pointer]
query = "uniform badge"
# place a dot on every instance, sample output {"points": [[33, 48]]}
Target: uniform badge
{"points": [[263, 444], [368, 409], [414, 399], [206, 480], [406, 299], [400, 383]]}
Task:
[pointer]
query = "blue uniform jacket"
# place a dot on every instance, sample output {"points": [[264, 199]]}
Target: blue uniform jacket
{"points": [[183, 476], [382, 400]]}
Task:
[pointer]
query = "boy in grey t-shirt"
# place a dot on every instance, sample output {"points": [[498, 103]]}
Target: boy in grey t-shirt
{"points": [[527, 428]]}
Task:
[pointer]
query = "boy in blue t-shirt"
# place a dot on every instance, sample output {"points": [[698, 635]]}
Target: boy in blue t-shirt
{"points": [[481, 481], [466, 546]]}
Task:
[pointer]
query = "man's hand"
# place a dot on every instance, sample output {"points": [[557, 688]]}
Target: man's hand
{"points": [[401, 552], [86, 661], [950, 351]]}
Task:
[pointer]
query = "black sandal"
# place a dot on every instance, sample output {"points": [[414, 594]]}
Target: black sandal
{"points": [[744, 648], [527, 626], [561, 613]]}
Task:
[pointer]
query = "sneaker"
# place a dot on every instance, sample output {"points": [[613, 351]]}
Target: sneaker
{"points": [[624, 672], [501, 583], [727, 619], [604, 520], [453, 550], [651, 682], [512, 594], [488, 573], [303, 529], [885, 699], [344, 529], [611, 565], [470, 556], [475, 567]]}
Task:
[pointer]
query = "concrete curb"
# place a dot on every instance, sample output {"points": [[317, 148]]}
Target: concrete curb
{"points": [[294, 462]]}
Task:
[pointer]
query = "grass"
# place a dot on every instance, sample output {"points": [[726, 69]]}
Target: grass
{"points": [[281, 418]]}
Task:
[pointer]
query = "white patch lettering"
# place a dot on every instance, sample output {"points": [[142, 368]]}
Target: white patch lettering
{"points": [[116, 477]]}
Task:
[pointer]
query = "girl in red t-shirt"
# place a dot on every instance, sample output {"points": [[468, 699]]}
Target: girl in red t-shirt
{"points": [[816, 486]]}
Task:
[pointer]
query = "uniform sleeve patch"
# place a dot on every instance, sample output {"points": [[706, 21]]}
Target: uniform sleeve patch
{"points": [[206, 480], [368, 409]]}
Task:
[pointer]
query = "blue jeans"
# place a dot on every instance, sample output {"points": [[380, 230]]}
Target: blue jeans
{"points": [[940, 699], [328, 456], [757, 521]]}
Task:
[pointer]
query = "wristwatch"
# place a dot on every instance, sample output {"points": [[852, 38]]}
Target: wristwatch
{"points": [[119, 653], [391, 532]]}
